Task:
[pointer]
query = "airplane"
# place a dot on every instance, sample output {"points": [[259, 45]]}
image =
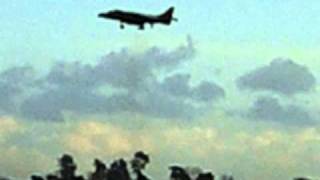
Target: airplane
{"points": [[138, 19]]}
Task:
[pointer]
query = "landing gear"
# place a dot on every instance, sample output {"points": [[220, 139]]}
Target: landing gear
{"points": [[141, 27], [121, 26]]}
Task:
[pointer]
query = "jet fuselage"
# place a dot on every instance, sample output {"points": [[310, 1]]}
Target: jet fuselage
{"points": [[138, 19]]}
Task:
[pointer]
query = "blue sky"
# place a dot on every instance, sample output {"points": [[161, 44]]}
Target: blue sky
{"points": [[51, 29], [236, 81]]}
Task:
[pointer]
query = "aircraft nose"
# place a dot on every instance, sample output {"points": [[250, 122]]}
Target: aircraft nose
{"points": [[101, 15]]}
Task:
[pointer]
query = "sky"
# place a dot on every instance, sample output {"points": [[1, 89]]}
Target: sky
{"points": [[232, 87]]}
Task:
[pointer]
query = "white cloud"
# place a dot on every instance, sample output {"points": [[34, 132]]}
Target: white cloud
{"points": [[93, 137], [8, 127], [217, 142]]}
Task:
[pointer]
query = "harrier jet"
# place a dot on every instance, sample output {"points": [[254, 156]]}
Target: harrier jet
{"points": [[139, 19]]}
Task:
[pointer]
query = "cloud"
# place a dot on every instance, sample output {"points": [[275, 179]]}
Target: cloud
{"points": [[270, 109], [8, 127], [173, 97], [121, 82], [126, 70], [50, 104], [12, 83], [112, 139], [178, 85], [276, 153], [282, 76], [208, 91], [94, 138], [16, 160], [20, 163]]}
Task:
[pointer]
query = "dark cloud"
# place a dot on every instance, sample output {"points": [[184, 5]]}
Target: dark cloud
{"points": [[12, 83], [7, 94], [76, 74], [269, 109], [121, 82], [51, 104], [162, 105], [179, 85], [281, 76], [208, 91], [163, 59], [42, 107], [127, 70]]}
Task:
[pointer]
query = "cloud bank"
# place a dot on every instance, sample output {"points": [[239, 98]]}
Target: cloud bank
{"points": [[123, 81]]}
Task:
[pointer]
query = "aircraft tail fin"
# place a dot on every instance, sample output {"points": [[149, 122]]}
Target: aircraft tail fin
{"points": [[167, 16]]}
